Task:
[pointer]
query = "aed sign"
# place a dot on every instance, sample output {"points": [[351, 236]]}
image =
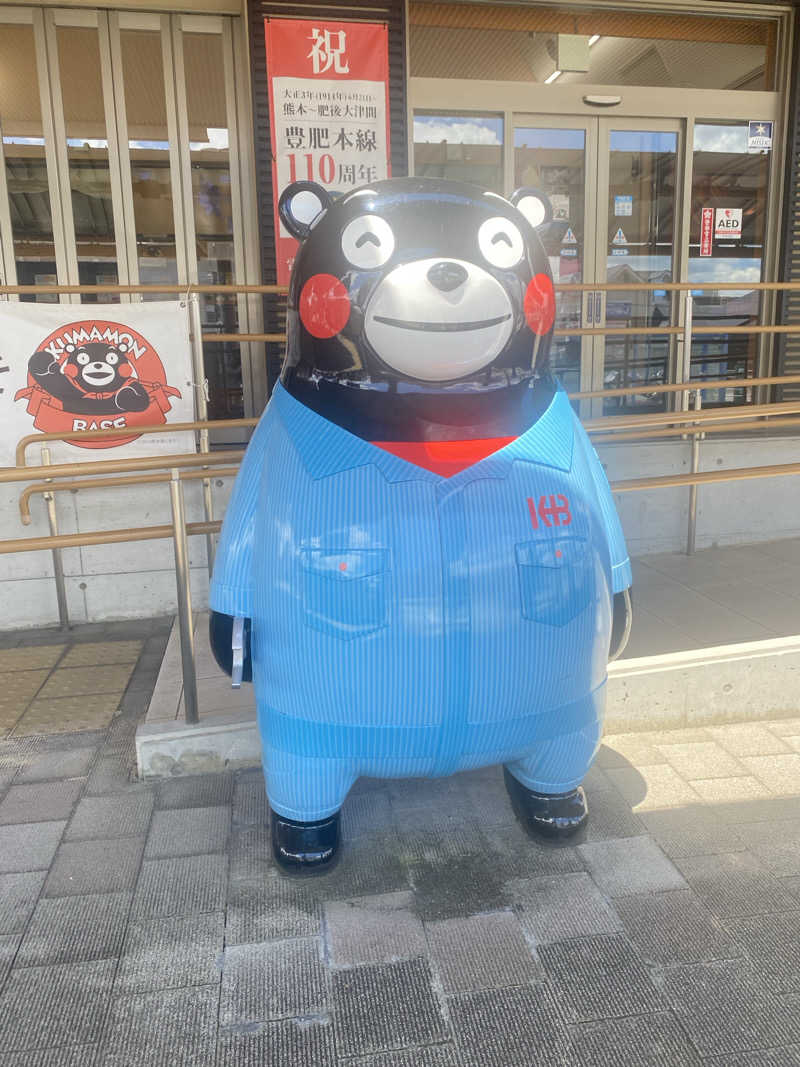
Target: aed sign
{"points": [[728, 222]]}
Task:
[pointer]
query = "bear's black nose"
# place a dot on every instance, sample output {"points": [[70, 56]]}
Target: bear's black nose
{"points": [[447, 275]]}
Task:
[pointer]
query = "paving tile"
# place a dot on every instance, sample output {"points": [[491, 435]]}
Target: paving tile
{"points": [[170, 953], [271, 981], [72, 763], [81, 681], [101, 866], [377, 929], [780, 773], [775, 844], [385, 1006], [195, 791], [511, 853], [29, 846], [610, 817], [748, 739], [293, 1042], [188, 884], [68, 714], [621, 750], [39, 802], [735, 884], [653, 787], [250, 804], [110, 774], [692, 831], [447, 887], [18, 893], [671, 928], [102, 653], [587, 956], [120, 816], [505, 1027], [482, 952], [75, 929], [188, 831], [730, 791], [773, 943], [558, 907], [9, 943], [366, 813], [29, 659], [643, 1041], [176, 1027], [724, 1007], [631, 865], [250, 851], [705, 759], [369, 865], [60, 1005], [789, 1056], [271, 908], [621, 992]]}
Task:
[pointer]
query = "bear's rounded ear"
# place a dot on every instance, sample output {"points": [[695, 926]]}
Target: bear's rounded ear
{"points": [[300, 204], [533, 204]]}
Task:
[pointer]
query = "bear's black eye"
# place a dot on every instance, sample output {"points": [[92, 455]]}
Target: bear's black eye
{"points": [[112, 358], [500, 242], [368, 242]]}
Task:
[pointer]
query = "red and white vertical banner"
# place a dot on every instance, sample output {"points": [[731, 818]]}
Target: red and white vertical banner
{"points": [[706, 230], [329, 109]]}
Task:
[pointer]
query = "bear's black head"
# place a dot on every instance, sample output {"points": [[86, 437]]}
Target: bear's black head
{"points": [[417, 307], [97, 367]]}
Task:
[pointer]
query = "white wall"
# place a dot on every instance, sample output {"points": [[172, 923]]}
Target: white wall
{"points": [[137, 580]]}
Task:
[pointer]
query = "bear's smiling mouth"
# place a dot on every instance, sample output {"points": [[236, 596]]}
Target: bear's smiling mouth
{"points": [[441, 327]]}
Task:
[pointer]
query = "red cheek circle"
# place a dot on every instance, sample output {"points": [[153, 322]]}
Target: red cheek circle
{"points": [[540, 304], [71, 370], [324, 306]]}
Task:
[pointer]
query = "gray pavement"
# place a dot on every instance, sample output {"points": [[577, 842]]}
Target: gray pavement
{"points": [[144, 923]]}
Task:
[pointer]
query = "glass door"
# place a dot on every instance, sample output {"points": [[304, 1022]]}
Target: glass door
{"points": [[559, 157], [638, 210]]}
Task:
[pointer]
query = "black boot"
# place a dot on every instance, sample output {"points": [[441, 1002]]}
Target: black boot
{"points": [[305, 847], [557, 815]]}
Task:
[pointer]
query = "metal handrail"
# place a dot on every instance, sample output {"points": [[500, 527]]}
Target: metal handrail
{"points": [[128, 431], [111, 483], [121, 466], [608, 423]]}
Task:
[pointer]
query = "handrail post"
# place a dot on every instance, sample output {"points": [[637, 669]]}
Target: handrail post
{"points": [[691, 534], [185, 620], [58, 562], [688, 316], [201, 386]]}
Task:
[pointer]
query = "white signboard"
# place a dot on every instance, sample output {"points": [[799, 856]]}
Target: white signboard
{"points": [[728, 222], [66, 367]]}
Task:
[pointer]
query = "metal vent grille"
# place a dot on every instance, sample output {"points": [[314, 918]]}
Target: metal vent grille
{"points": [[392, 12], [789, 302]]}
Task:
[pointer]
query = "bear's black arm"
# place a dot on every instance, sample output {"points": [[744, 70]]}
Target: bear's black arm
{"points": [[132, 397], [220, 632]]}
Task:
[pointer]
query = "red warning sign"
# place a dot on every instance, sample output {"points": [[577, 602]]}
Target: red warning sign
{"points": [[706, 231]]}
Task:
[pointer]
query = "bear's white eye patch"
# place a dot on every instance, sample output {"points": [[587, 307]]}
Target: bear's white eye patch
{"points": [[112, 358], [83, 358], [368, 242], [500, 242]]}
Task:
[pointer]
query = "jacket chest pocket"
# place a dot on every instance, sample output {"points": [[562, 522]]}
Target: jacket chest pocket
{"points": [[556, 579], [345, 594]]}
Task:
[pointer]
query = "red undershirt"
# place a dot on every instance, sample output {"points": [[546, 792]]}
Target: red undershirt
{"points": [[445, 458]]}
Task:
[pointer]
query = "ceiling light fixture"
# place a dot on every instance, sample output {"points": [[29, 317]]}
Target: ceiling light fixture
{"points": [[553, 76]]}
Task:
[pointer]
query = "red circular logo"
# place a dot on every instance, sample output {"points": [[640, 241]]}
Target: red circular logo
{"points": [[540, 304], [324, 306], [96, 375]]}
